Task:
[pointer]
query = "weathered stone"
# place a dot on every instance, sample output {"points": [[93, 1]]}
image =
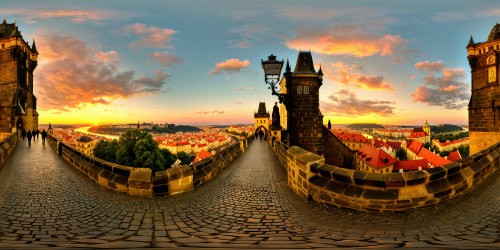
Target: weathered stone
{"points": [[436, 173], [359, 176], [353, 191], [389, 194], [342, 174], [375, 180], [437, 186], [319, 181], [337, 187], [394, 180]]}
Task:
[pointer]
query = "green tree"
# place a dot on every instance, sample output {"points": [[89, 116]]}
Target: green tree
{"points": [[168, 157], [148, 155], [125, 154], [427, 145], [464, 151], [106, 150], [185, 158], [401, 154]]}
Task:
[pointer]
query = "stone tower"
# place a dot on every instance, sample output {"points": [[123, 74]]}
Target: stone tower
{"points": [[276, 124], [304, 119], [18, 60], [484, 105], [261, 119], [427, 129]]}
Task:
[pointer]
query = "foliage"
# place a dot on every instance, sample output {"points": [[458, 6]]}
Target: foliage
{"points": [[361, 126], [444, 153], [464, 150], [185, 158], [451, 137], [106, 150], [445, 128], [148, 155], [428, 145], [401, 154], [172, 129], [125, 154], [169, 157]]}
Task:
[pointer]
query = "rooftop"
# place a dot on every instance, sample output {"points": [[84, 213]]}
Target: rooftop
{"points": [[375, 157]]}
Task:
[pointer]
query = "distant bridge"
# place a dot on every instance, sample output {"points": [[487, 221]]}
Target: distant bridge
{"points": [[45, 202]]}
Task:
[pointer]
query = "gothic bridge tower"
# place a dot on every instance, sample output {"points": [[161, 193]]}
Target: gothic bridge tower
{"points": [[303, 117], [261, 119], [18, 60], [484, 105]]}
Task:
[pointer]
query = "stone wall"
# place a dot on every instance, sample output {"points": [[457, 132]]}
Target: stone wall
{"points": [[481, 140], [140, 181], [311, 179], [7, 145], [336, 152]]}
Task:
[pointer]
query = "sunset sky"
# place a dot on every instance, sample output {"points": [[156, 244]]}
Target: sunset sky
{"points": [[199, 62]]}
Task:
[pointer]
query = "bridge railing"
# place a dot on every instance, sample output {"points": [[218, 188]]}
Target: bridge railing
{"points": [[7, 145], [312, 179], [140, 181]]}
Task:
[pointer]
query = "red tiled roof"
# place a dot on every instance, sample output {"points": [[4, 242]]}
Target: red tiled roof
{"points": [[417, 134], [375, 157], [451, 142], [202, 155], [411, 165], [416, 146], [454, 156], [433, 159], [352, 137]]}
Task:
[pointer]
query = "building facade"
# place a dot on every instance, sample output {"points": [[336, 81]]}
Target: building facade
{"points": [[484, 105], [18, 60], [304, 119]]}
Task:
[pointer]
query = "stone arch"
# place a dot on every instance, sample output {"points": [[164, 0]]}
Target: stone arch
{"points": [[264, 129]]}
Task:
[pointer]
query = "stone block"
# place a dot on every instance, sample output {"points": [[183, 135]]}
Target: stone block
{"points": [[437, 186], [389, 194], [452, 168], [436, 173], [314, 167], [318, 181], [326, 171], [180, 179], [375, 180], [139, 182], [337, 187], [454, 179], [353, 191], [359, 176], [342, 174], [394, 180]]}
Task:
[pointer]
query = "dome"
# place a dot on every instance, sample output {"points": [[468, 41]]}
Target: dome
{"points": [[495, 33], [85, 139]]}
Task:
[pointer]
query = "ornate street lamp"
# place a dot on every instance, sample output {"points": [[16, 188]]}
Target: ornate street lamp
{"points": [[272, 72]]}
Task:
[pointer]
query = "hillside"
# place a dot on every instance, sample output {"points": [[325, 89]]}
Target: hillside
{"points": [[361, 126], [446, 128]]}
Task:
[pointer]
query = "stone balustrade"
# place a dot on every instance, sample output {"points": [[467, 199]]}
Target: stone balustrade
{"points": [[311, 179], [7, 145], [141, 181]]}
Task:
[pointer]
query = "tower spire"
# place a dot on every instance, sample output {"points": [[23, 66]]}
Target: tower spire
{"points": [[471, 41], [33, 47]]}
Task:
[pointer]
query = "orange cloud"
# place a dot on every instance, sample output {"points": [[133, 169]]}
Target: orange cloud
{"points": [[444, 87], [151, 36], [166, 58], [349, 40], [346, 103], [73, 74], [230, 66], [342, 73]]}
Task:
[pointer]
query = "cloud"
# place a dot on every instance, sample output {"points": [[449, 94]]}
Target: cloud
{"points": [[322, 14], [230, 66], [240, 89], [150, 36], [72, 74], [209, 112], [350, 40], [347, 103], [239, 103], [252, 31], [77, 16], [343, 74], [443, 87], [166, 59], [243, 44]]}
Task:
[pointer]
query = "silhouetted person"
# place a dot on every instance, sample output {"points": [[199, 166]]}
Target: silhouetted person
{"points": [[36, 133], [44, 135], [23, 133], [261, 134], [29, 135]]}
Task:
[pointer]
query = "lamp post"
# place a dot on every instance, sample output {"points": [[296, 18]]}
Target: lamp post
{"points": [[272, 72]]}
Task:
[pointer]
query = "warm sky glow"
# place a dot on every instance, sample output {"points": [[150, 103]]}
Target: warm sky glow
{"points": [[198, 62]]}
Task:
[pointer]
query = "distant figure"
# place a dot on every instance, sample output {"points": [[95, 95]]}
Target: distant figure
{"points": [[36, 133], [23, 133], [29, 135], [44, 135], [261, 134]]}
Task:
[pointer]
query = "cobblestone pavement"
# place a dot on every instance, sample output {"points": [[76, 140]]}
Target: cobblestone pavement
{"points": [[45, 202]]}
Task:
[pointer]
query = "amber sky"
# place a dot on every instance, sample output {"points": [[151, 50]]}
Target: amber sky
{"points": [[198, 62]]}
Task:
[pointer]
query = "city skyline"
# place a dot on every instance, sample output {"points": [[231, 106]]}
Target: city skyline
{"points": [[187, 63]]}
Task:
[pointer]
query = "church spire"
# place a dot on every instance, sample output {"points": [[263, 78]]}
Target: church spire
{"points": [[33, 47], [287, 69], [471, 41]]}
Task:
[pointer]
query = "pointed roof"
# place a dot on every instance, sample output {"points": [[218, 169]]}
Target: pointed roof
{"points": [[304, 63], [287, 69], [33, 47], [471, 42], [434, 159], [262, 113], [8, 29], [495, 33], [454, 156]]}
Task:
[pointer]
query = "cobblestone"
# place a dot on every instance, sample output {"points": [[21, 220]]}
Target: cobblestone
{"points": [[44, 202]]}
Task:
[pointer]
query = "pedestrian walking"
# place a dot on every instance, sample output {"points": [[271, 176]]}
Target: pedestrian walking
{"points": [[44, 135], [23, 133], [37, 132], [29, 135]]}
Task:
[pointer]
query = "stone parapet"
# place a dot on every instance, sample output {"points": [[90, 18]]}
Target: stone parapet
{"points": [[7, 145], [310, 178], [140, 181]]}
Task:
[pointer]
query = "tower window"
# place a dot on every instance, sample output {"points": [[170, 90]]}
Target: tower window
{"points": [[306, 90], [299, 89], [3, 46]]}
